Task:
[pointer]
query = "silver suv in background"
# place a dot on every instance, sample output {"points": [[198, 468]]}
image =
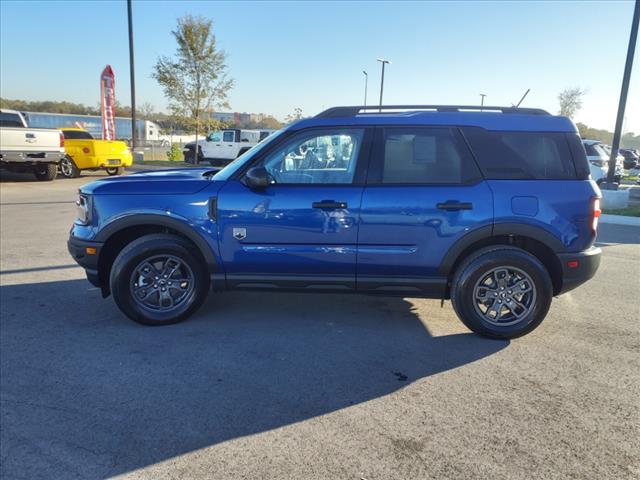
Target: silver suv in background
{"points": [[598, 155]]}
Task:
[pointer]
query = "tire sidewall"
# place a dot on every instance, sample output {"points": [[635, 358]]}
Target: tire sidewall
{"points": [[46, 172], [114, 171], [75, 171], [479, 267], [131, 257]]}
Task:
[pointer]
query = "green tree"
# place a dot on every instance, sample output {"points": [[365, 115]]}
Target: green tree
{"points": [[48, 106], [195, 79], [570, 100]]}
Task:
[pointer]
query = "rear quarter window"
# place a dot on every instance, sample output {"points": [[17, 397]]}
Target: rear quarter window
{"points": [[521, 155]]}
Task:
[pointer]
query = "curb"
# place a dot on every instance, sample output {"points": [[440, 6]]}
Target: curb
{"points": [[620, 220]]}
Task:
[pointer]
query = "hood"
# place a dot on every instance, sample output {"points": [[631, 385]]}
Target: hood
{"points": [[160, 182]]}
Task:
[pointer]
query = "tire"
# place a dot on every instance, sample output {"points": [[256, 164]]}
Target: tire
{"points": [[68, 168], [126, 278], [46, 172], [114, 171], [489, 265]]}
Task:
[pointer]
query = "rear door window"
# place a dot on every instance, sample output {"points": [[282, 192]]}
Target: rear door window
{"points": [[422, 156], [521, 155]]}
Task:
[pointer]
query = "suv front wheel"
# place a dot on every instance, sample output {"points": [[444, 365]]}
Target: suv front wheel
{"points": [[156, 280], [501, 292]]}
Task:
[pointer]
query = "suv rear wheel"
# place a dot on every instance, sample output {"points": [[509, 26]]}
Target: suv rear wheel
{"points": [[156, 280], [501, 292]]}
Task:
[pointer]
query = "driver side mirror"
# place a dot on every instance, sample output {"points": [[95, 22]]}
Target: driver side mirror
{"points": [[257, 177]]}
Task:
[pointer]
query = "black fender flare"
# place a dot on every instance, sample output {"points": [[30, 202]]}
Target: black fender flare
{"points": [[179, 226], [499, 229]]}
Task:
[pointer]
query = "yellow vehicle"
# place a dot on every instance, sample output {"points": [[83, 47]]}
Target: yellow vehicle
{"points": [[83, 152]]}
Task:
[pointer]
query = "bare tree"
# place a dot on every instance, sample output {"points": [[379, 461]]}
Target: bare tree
{"points": [[146, 111], [194, 80], [296, 115], [570, 100]]}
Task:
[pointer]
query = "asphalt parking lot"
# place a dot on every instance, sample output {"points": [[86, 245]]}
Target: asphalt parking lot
{"points": [[304, 386]]}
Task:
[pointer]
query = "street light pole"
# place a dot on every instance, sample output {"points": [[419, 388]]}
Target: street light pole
{"points": [[482, 95], [609, 185], [133, 80], [366, 80], [383, 61]]}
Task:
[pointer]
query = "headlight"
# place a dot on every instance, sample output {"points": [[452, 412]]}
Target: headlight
{"points": [[83, 209]]}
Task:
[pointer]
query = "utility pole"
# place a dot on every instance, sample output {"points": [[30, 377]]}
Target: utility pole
{"points": [[133, 80], [384, 62], [366, 80], [482, 95], [609, 185]]}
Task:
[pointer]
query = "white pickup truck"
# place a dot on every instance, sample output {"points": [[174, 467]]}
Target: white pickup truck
{"points": [[24, 149], [221, 147]]}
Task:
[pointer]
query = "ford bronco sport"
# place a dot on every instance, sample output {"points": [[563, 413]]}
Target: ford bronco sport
{"points": [[493, 209]]}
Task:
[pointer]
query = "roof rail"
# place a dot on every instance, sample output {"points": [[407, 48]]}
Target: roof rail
{"points": [[369, 109]]}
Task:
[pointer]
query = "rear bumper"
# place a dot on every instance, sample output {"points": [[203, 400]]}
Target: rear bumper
{"points": [[106, 161], [89, 261], [30, 158], [575, 274]]}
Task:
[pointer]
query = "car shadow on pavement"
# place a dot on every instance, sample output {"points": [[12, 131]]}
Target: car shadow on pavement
{"points": [[87, 393]]}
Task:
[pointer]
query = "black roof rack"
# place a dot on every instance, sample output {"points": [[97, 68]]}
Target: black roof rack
{"points": [[369, 109]]}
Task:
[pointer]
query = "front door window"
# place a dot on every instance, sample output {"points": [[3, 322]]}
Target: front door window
{"points": [[317, 157]]}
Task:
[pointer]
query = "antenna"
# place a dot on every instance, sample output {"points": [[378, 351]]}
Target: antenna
{"points": [[525, 94]]}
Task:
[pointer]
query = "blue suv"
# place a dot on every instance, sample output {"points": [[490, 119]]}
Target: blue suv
{"points": [[492, 208]]}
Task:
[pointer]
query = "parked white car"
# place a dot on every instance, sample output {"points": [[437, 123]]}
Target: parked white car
{"points": [[223, 146], [598, 155], [24, 149]]}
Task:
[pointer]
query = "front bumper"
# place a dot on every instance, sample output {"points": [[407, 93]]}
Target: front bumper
{"points": [[578, 267], [81, 250]]}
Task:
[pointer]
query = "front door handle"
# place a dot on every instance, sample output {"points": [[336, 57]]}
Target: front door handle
{"points": [[329, 205], [453, 205]]}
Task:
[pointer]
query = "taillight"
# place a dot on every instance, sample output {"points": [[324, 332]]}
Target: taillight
{"points": [[596, 214], [61, 140]]}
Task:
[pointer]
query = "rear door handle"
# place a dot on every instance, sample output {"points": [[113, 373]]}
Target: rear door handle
{"points": [[453, 205], [329, 205]]}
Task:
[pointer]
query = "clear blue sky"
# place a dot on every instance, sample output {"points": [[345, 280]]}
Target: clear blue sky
{"points": [[311, 55]]}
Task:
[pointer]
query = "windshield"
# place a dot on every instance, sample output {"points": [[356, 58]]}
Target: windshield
{"points": [[234, 166]]}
